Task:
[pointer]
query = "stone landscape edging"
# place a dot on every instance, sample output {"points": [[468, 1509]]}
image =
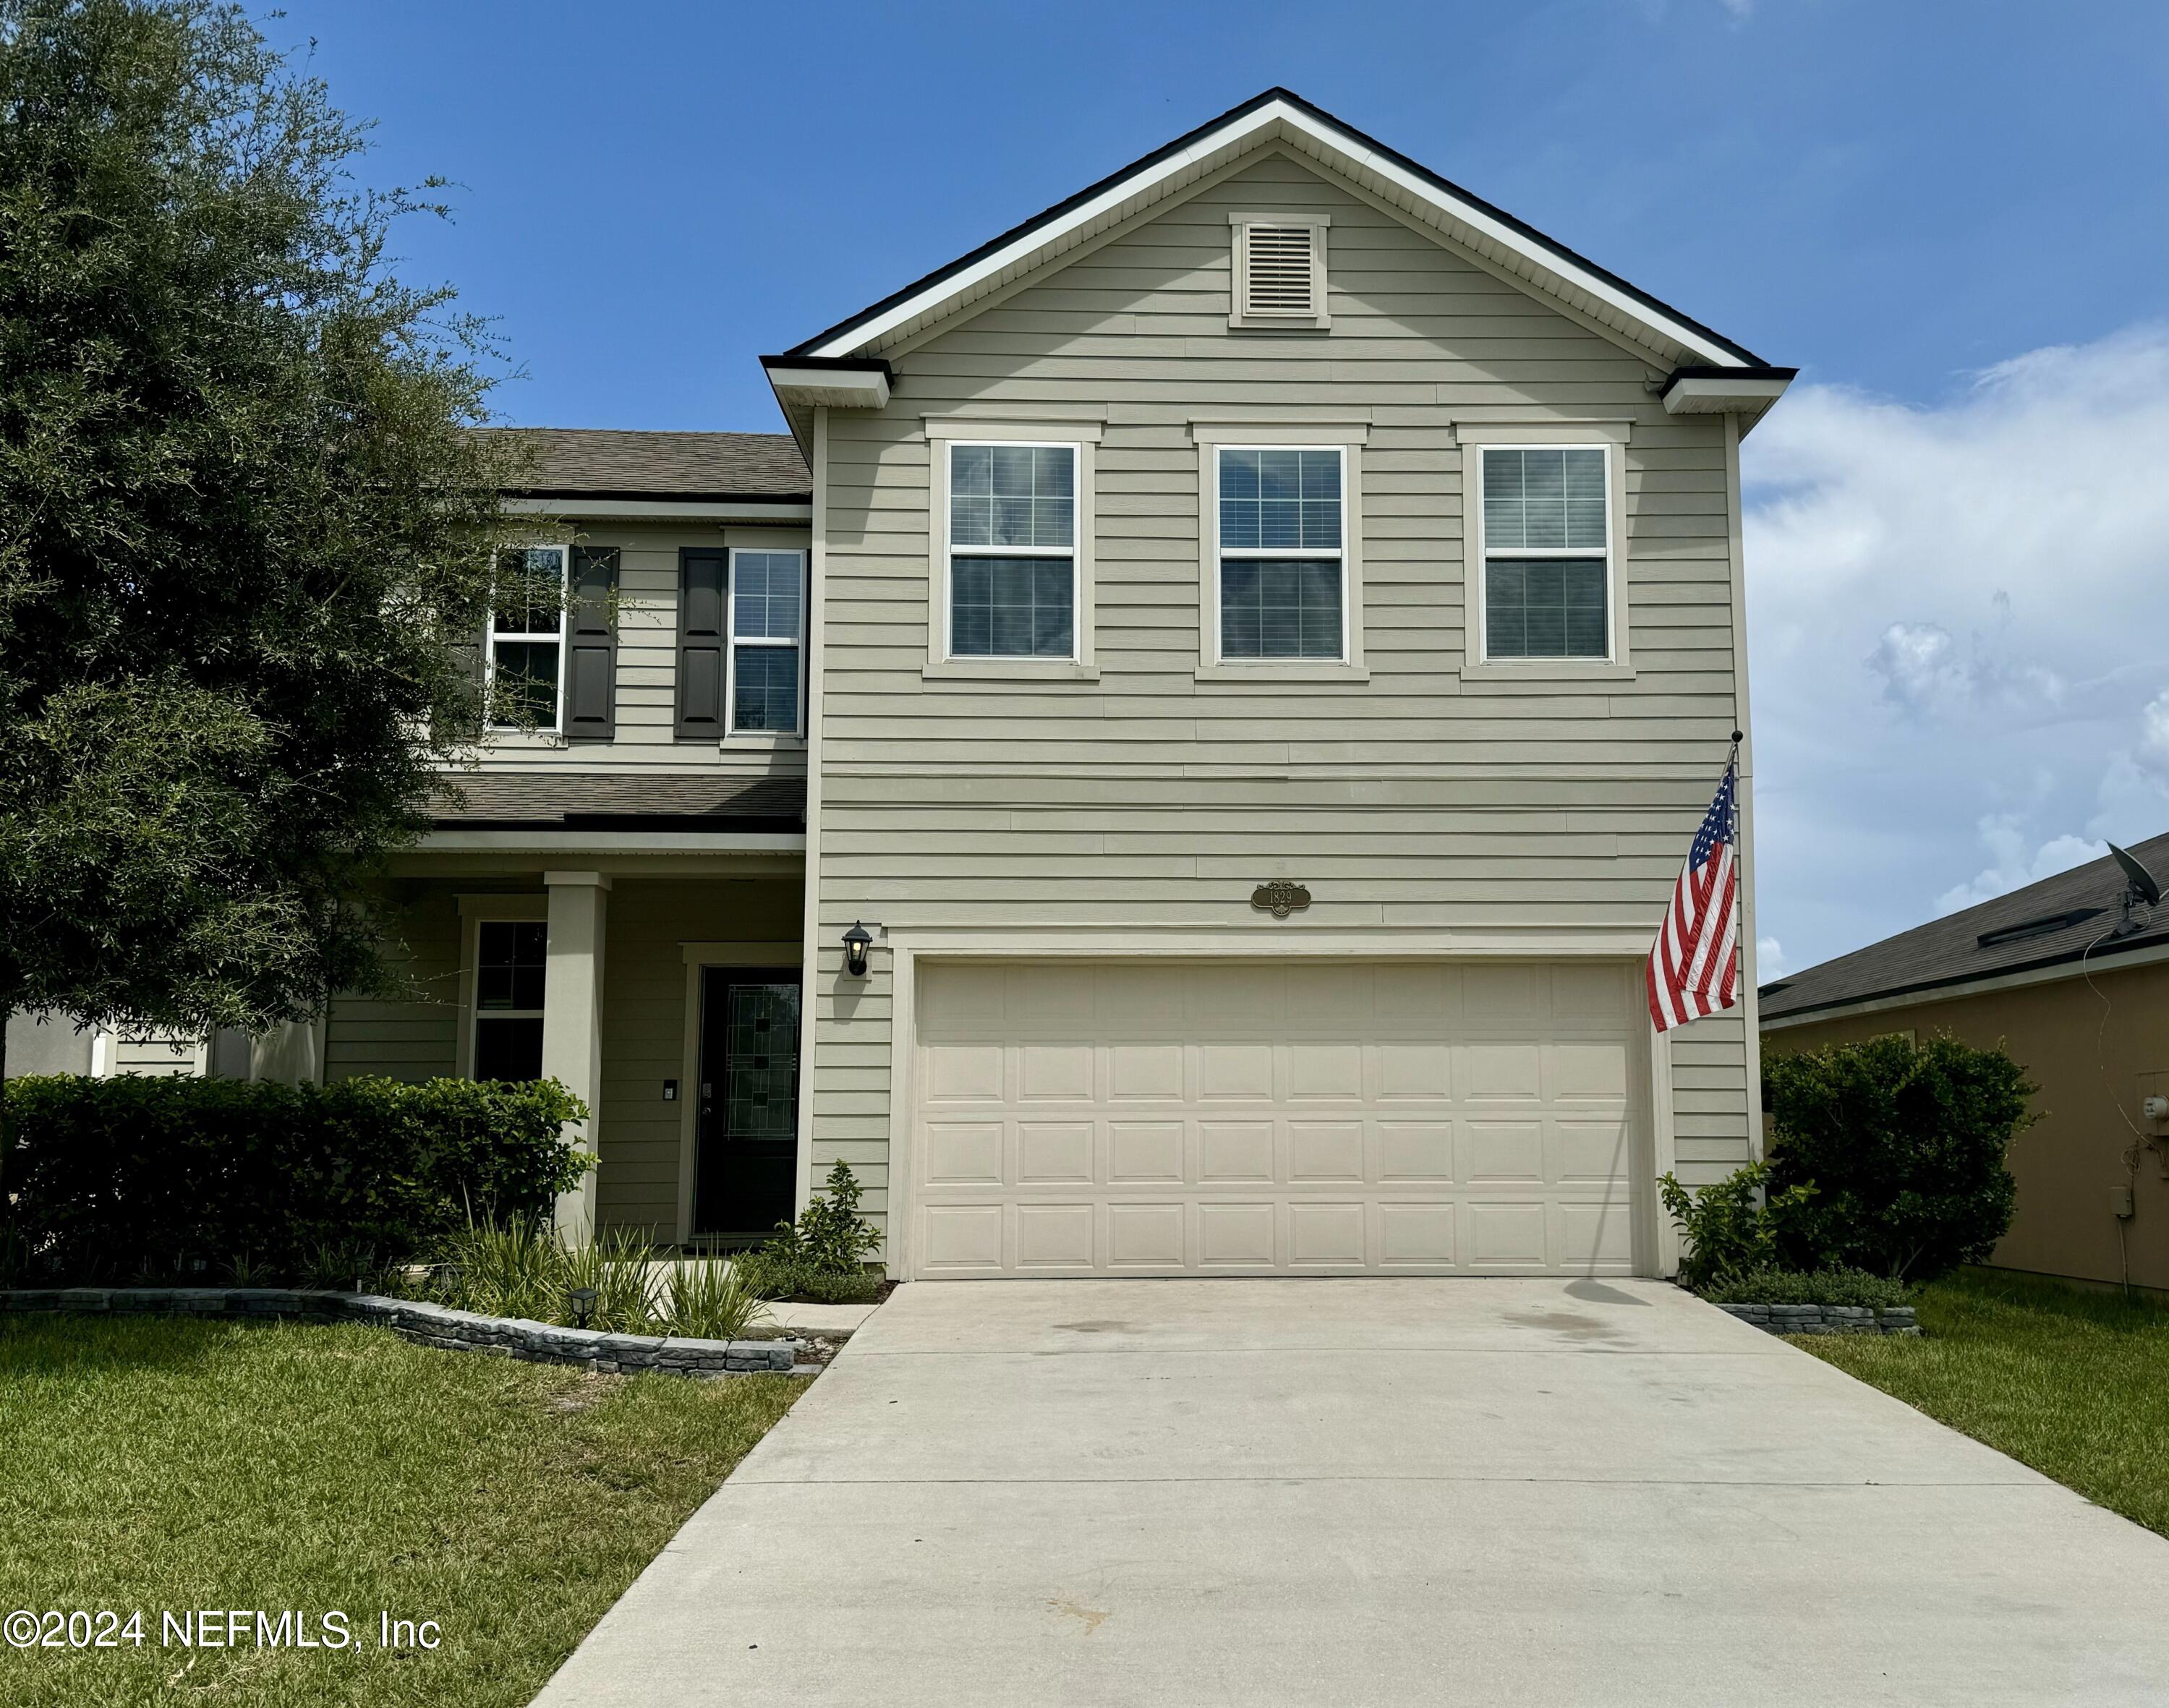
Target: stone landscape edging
{"points": [[432, 1325], [1826, 1319]]}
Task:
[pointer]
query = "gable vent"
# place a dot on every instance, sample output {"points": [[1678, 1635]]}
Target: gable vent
{"points": [[1280, 272], [1280, 276]]}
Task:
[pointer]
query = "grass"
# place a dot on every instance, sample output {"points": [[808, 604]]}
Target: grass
{"points": [[159, 1463], [2075, 1384]]}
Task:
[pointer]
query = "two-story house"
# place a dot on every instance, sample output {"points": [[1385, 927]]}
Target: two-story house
{"points": [[1172, 767]]}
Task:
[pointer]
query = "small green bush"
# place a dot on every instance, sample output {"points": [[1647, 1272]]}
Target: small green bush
{"points": [[196, 1180], [1905, 1144], [822, 1256], [1735, 1225], [1767, 1284], [705, 1298]]}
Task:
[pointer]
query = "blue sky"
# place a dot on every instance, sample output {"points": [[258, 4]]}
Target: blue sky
{"points": [[1949, 215]]}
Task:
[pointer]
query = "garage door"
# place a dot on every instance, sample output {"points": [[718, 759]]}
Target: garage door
{"points": [[1264, 1118]]}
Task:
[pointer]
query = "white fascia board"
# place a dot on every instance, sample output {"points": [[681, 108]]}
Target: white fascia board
{"points": [[664, 509], [1715, 397], [612, 841], [1336, 142], [838, 389]]}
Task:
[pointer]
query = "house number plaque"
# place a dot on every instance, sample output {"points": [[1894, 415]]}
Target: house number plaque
{"points": [[1280, 898]]}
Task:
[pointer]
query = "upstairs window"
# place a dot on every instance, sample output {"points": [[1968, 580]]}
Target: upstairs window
{"points": [[526, 678], [1282, 589], [1279, 271], [1547, 558], [768, 608], [511, 965], [1012, 550]]}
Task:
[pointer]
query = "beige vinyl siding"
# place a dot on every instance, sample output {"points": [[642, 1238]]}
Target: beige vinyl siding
{"points": [[417, 1035], [1148, 800], [648, 666], [414, 1034]]}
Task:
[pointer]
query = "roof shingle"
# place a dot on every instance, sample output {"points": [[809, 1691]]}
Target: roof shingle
{"points": [[1949, 950], [591, 801], [589, 462]]}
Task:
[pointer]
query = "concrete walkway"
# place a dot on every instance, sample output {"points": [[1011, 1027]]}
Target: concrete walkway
{"points": [[1370, 1493]]}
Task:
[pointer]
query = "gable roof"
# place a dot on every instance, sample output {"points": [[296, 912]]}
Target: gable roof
{"points": [[584, 462], [2043, 925], [1280, 116]]}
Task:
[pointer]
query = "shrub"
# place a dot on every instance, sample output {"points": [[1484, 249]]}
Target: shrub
{"points": [[194, 1179], [522, 1269], [1904, 1144], [1767, 1284], [708, 1300], [1735, 1225], [822, 1256]]}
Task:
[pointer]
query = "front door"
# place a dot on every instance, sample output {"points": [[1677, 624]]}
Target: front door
{"points": [[746, 1175]]}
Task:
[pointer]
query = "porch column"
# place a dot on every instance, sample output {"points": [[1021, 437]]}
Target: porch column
{"points": [[573, 1023]]}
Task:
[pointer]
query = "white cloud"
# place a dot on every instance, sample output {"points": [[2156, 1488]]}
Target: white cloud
{"points": [[1959, 618], [1770, 962], [2010, 867]]}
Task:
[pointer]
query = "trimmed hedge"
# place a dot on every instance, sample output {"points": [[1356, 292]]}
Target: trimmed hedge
{"points": [[1903, 1145], [1770, 1285], [137, 1177]]}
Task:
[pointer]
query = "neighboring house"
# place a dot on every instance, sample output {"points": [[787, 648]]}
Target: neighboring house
{"points": [[1236, 660], [2078, 991]]}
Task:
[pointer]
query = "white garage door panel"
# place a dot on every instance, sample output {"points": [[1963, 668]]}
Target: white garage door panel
{"points": [[1170, 1119]]}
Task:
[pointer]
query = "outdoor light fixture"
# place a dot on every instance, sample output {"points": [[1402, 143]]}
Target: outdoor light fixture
{"points": [[856, 943], [583, 1301]]}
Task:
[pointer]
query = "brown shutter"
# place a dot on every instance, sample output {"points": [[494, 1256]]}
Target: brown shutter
{"points": [[703, 615], [591, 646]]}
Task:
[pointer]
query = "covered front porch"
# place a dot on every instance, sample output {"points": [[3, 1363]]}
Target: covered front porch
{"points": [[652, 967]]}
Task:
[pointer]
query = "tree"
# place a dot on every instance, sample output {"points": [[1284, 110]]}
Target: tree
{"points": [[246, 528], [1905, 1144]]}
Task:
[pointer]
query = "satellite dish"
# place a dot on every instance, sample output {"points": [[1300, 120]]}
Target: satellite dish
{"points": [[2138, 881]]}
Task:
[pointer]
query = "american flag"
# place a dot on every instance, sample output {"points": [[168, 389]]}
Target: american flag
{"points": [[1694, 964]]}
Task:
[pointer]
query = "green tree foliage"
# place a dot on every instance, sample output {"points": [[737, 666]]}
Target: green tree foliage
{"points": [[245, 526], [1905, 1144]]}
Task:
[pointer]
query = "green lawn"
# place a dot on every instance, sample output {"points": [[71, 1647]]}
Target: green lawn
{"points": [[160, 1464], [2075, 1384]]}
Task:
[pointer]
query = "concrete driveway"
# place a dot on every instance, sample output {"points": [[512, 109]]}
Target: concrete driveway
{"points": [[1370, 1493]]}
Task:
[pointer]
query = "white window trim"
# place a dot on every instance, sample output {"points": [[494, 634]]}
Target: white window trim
{"points": [[556, 723], [1320, 319], [474, 911], [1081, 440], [1212, 440], [1478, 665], [733, 735]]}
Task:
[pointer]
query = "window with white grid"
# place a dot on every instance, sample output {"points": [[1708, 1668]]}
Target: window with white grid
{"points": [[1282, 585], [526, 677], [1547, 549], [1012, 551], [768, 612]]}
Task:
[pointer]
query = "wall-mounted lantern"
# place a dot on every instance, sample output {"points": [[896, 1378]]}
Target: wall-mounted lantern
{"points": [[856, 943]]}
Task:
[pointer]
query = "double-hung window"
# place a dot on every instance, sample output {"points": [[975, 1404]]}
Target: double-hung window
{"points": [[1283, 592], [1012, 550], [524, 684], [511, 964], [768, 611], [1547, 553]]}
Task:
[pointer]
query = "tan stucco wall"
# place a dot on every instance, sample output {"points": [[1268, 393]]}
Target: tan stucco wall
{"points": [[2067, 1162]]}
